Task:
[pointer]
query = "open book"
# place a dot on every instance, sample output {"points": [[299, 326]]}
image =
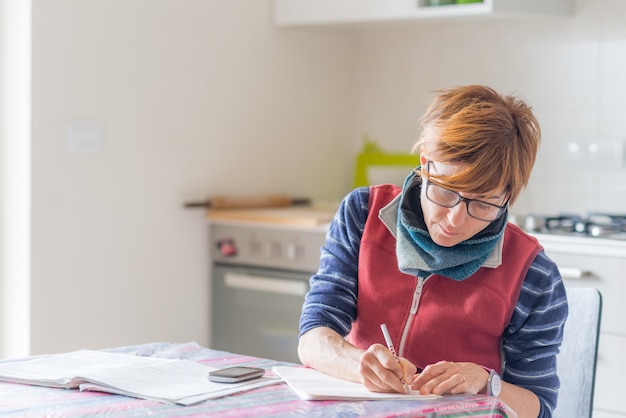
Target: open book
{"points": [[163, 380], [311, 385]]}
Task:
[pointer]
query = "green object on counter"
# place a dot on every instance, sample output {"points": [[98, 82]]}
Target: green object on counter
{"points": [[373, 155], [440, 2], [447, 2]]}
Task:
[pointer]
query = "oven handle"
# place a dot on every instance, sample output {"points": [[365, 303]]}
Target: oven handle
{"points": [[264, 284], [572, 273]]}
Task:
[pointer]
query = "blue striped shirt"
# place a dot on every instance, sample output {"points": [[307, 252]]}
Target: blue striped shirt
{"points": [[529, 343]]}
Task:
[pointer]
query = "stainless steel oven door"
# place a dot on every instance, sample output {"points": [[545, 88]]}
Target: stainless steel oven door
{"points": [[255, 311]]}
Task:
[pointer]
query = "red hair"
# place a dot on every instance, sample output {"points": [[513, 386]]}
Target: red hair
{"points": [[495, 137]]}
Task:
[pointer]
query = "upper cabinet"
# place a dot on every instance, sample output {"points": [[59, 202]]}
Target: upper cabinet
{"points": [[355, 12]]}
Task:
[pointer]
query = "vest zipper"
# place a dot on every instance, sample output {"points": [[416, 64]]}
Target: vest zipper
{"points": [[415, 302]]}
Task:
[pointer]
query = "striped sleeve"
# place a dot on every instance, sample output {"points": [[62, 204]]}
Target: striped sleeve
{"points": [[534, 335], [331, 301]]}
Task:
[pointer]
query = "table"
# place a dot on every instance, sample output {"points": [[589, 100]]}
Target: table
{"points": [[272, 401]]}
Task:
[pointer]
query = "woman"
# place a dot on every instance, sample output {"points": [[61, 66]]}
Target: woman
{"points": [[466, 296]]}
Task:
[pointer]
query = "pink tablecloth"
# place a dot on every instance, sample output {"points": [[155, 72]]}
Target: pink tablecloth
{"points": [[272, 401]]}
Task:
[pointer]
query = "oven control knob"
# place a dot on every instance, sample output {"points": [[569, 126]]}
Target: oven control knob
{"points": [[227, 247], [274, 249], [254, 247], [595, 230], [295, 251], [580, 226]]}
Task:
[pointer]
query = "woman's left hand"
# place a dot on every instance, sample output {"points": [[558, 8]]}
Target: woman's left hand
{"points": [[451, 377]]}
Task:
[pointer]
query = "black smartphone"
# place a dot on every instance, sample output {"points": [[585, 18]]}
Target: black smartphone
{"points": [[235, 374]]}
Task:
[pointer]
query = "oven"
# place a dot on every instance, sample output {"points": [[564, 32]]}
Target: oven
{"points": [[260, 275]]}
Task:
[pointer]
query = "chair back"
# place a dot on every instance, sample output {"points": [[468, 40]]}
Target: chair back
{"points": [[576, 362]]}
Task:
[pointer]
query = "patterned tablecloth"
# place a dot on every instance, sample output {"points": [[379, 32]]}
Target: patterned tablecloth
{"points": [[273, 401]]}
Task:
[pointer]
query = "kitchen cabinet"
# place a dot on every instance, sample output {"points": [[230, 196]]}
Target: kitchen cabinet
{"points": [[354, 12], [599, 263]]}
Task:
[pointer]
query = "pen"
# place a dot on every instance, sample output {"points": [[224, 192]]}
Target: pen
{"points": [[391, 348]]}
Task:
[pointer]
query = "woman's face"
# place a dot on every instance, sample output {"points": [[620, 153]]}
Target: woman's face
{"points": [[450, 226]]}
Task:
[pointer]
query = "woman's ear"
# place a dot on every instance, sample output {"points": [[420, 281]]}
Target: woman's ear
{"points": [[423, 158]]}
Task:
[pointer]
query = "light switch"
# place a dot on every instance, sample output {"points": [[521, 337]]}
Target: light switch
{"points": [[598, 155], [84, 137]]}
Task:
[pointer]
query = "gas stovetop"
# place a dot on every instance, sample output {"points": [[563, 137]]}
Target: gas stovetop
{"points": [[595, 224]]}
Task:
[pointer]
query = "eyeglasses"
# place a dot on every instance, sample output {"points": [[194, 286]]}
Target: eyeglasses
{"points": [[447, 198]]}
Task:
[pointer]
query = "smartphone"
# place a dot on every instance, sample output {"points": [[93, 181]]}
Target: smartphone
{"points": [[235, 374]]}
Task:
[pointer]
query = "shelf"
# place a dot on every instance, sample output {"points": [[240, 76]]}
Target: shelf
{"points": [[359, 12]]}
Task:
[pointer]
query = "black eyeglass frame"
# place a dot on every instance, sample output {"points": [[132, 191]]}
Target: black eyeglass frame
{"points": [[428, 183]]}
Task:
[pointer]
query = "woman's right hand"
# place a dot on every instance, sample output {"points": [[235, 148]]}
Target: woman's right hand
{"points": [[381, 371]]}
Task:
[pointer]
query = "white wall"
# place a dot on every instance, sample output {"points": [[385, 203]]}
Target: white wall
{"points": [[570, 69], [186, 99]]}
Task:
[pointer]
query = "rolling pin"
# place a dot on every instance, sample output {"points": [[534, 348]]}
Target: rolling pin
{"points": [[269, 201]]}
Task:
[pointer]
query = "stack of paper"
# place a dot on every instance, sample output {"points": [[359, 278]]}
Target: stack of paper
{"points": [[163, 380]]}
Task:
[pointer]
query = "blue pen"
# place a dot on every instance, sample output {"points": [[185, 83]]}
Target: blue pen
{"points": [[391, 348]]}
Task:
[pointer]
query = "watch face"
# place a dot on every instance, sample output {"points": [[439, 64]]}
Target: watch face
{"points": [[496, 384]]}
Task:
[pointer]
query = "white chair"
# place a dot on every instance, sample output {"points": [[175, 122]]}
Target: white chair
{"points": [[576, 362]]}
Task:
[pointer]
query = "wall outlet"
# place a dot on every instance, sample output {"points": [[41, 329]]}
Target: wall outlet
{"points": [[601, 154], [606, 154]]}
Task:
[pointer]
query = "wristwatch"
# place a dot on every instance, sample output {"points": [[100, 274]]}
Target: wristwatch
{"points": [[494, 383]]}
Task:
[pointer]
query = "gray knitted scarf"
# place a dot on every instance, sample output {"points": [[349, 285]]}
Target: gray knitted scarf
{"points": [[419, 255]]}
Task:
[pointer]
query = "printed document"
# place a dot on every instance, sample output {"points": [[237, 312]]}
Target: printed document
{"points": [[163, 380]]}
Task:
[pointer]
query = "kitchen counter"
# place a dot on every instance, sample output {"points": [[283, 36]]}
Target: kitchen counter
{"points": [[582, 244]]}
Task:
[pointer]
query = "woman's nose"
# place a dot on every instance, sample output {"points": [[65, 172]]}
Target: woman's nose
{"points": [[458, 214]]}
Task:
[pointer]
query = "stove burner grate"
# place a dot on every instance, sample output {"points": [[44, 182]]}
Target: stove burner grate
{"points": [[595, 224]]}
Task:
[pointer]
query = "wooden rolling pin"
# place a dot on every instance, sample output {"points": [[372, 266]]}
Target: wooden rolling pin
{"points": [[269, 201]]}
